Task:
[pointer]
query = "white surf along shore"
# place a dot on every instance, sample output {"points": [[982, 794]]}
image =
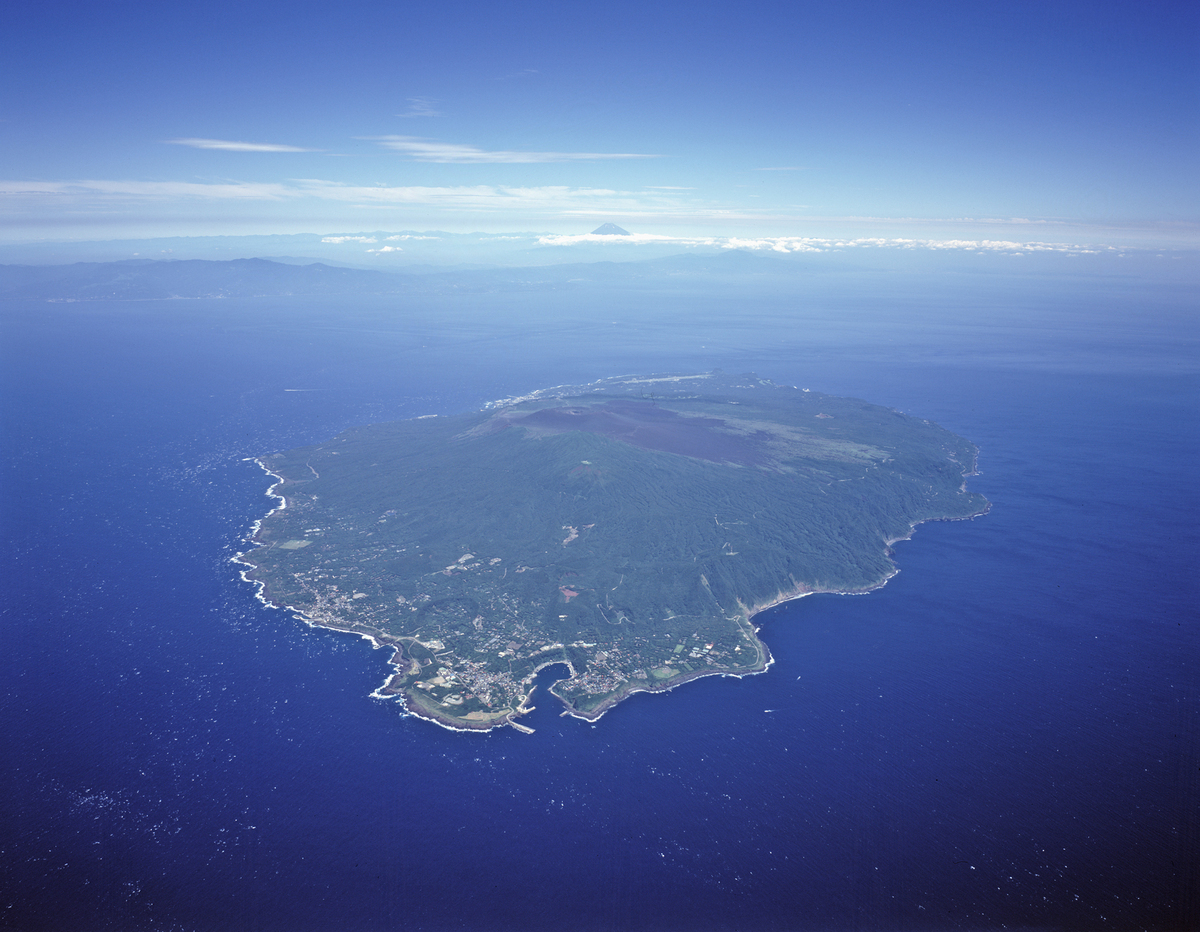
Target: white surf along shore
{"points": [[747, 612]]}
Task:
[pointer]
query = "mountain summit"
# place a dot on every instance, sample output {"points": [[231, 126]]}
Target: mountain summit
{"points": [[609, 229]]}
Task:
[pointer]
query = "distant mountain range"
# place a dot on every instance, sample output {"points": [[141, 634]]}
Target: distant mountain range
{"points": [[378, 250], [188, 278], [135, 279]]}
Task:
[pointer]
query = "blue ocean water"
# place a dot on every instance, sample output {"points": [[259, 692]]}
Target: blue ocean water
{"points": [[1005, 736]]}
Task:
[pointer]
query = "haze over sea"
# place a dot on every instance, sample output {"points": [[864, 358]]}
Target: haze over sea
{"points": [[1005, 736]]}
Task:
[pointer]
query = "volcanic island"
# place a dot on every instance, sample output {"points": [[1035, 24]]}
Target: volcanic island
{"points": [[629, 529]]}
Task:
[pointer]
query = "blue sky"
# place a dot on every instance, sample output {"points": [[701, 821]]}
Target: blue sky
{"points": [[1026, 121]]}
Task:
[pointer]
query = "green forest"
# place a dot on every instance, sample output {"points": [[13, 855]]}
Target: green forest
{"points": [[629, 528]]}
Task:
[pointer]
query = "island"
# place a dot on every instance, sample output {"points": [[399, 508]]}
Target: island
{"points": [[629, 529]]}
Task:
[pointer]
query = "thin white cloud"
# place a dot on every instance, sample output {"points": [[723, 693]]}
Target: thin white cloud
{"points": [[800, 244], [465, 196], [380, 249], [353, 239], [427, 150], [228, 145], [558, 198], [144, 190], [420, 107]]}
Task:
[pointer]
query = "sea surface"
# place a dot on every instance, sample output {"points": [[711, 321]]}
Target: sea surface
{"points": [[1004, 737]]}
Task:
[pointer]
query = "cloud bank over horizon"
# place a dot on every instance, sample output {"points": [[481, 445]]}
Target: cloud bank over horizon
{"points": [[814, 244], [503, 208]]}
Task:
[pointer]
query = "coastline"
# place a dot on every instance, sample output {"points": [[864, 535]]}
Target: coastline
{"points": [[414, 705], [261, 591], [799, 591]]}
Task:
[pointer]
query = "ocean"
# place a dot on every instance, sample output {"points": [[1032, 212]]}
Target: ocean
{"points": [[1005, 736]]}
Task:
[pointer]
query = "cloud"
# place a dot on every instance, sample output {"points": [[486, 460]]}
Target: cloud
{"points": [[144, 190], [426, 150], [230, 146], [558, 198], [464, 196], [380, 249], [801, 244], [353, 239], [501, 207], [420, 107]]}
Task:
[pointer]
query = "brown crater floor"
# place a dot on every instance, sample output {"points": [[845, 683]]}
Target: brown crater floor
{"points": [[651, 427]]}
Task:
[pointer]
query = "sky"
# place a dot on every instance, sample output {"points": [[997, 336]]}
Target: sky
{"points": [[1029, 121]]}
